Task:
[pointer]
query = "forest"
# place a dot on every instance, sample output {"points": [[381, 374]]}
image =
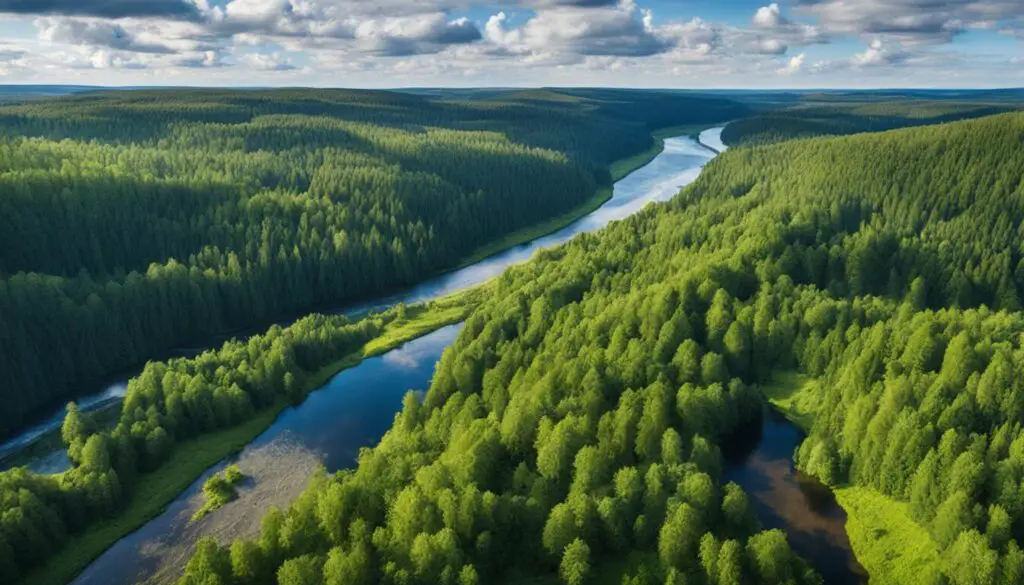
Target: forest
{"points": [[575, 430], [133, 223], [842, 114]]}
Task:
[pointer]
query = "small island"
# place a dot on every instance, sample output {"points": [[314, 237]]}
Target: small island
{"points": [[220, 489]]}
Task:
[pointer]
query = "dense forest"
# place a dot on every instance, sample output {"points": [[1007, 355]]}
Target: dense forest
{"points": [[578, 420], [134, 222], [820, 115]]}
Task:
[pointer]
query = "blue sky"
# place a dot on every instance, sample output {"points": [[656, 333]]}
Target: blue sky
{"points": [[399, 43]]}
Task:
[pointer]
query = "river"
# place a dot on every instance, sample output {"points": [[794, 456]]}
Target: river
{"points": [[358, 405], [678, 165]]}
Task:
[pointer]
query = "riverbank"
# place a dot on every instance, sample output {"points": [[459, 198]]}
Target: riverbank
{"points": [[155, 490], [43, 445], [887, 542], [618, 170]]}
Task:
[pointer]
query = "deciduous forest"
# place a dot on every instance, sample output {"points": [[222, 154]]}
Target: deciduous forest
{"points": [[134, 222]]}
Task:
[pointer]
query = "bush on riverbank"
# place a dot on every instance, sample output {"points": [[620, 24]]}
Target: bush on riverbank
{"points": [[220, 489]]}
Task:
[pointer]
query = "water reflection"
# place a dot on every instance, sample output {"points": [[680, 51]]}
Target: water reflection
{"points": [[353, 410], [761, 461]]}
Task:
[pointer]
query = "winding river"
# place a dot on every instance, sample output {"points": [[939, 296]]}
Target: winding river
{"points": [[678, 165], [356, 407]]}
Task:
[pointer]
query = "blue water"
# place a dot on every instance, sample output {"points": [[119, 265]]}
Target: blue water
{"points": [[353, 410]]}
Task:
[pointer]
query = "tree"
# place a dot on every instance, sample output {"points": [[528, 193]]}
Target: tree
{"points": [[75, 431], [969, 561], [770, 556], [348, 568], [575, 565], [304, 570], [248, 564], [679, 536], [211, 565]]}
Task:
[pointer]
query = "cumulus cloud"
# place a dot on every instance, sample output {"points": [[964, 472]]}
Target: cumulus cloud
{"points": [[269, 62], [369, 28], [203, 60], [113, 35], [104, 59], [413, 35], [911, 21], [769, 17], [794, 65], [597, 29], [103, 8], [877, 55], [770, 46], [419, 37]]}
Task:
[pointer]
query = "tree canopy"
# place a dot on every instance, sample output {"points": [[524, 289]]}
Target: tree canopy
{"points": [[135, 222]]}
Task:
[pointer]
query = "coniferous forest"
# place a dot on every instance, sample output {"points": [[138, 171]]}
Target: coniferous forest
{"points": [[577, 426], [581, 415], [132, 223]]}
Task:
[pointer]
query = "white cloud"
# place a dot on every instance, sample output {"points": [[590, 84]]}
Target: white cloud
{"points": [[877, 55], [769, 17], [268, 62], [794, 66], [910, 21], [621, 30], [389, 42]]}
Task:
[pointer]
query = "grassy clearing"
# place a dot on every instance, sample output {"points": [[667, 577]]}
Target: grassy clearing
{"points": [[887, 542], [892, 547], [794, 395], [190, 459]]}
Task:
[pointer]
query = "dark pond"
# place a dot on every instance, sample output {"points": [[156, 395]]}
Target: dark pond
{"points": [[761, 462]]}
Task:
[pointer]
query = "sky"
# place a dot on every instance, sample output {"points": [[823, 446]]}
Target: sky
{"points": [[489, 43]]}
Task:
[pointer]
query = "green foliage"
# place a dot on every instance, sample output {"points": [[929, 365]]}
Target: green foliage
{"points": [[132, 223], [889, 544], [119, 480], [575, 566], [548, 421], [219, 489], [818, 117]]}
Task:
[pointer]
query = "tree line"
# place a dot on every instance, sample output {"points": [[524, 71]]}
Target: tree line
{"points": [[841, 115], [134, 222]]}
